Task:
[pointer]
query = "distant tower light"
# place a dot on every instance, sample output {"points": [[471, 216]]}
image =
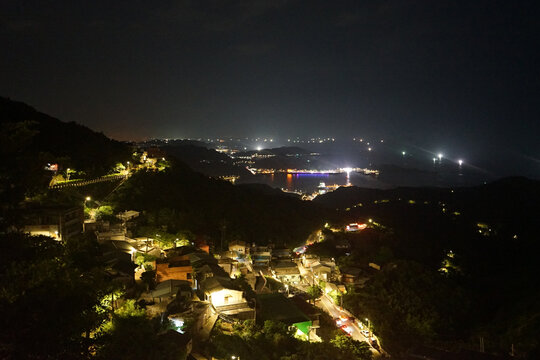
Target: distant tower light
{"points": [[403, 153], [460, 162], [440, 156]]}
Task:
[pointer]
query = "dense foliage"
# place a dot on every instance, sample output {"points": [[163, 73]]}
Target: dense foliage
{"points": [[179, 199], [274, 340], [50, 296], [458, 264]]}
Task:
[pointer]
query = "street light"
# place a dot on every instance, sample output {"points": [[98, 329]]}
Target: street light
{"points": [[88, 198], [460, 162], [440, 156]]}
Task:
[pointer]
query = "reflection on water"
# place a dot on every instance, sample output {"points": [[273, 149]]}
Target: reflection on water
{"points": [[308, 183]]}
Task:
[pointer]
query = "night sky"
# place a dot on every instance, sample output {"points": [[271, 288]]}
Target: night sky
{"points": [[433, 73]]}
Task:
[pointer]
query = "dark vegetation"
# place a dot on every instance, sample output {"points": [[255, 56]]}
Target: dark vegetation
{"points": [[458, 264], [180, 199], [274, 341]]}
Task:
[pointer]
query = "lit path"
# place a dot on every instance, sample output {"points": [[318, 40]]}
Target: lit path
{"points": [[78, 183]]}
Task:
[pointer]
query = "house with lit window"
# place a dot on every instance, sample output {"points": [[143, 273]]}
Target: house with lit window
{"points": [[238, 247], [226, 297], [220, 291], [286, 272]]}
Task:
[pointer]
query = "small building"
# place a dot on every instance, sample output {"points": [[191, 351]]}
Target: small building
{"points": [[286, 272], [238, 247], [226, 298], [128, 215], [309, 259], [171, 288], [220, 291], [227, 264], [58, 222], [281, 253], [261, 256], [175, 268], [321, 271], [350, 275]]}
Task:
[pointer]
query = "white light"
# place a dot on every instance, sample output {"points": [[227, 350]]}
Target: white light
{"points": [[347, 169], [403, 153], [460, 162], [434, 159], [439, 156], [369, 149], [259, 148]]}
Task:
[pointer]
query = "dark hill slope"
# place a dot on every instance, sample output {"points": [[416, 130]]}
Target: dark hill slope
{"points": [[180, 199], [69, 144]]}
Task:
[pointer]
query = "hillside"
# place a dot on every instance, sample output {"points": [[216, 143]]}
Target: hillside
{"points": [[181, 199], [71, 145]]}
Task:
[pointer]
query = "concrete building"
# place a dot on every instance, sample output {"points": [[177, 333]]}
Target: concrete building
{"points": [[60, 223], [286, 272], [176, 268], [238, 247]]}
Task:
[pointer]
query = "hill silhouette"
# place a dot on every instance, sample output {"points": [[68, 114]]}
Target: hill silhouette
{"points": [[69, 144]]}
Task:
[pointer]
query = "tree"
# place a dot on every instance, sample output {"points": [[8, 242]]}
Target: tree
{"points": [[358, 349], [130, 334], [314, 292], [46, 285], [409, 304]]}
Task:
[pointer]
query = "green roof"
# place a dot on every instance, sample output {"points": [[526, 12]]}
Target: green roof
{"points": [[278, 308]]}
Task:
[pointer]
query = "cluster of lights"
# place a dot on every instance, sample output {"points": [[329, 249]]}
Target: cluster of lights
{"points": [[311, 140]]}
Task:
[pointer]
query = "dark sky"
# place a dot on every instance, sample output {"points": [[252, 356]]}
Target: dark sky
{"points": [[456, 73]]}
